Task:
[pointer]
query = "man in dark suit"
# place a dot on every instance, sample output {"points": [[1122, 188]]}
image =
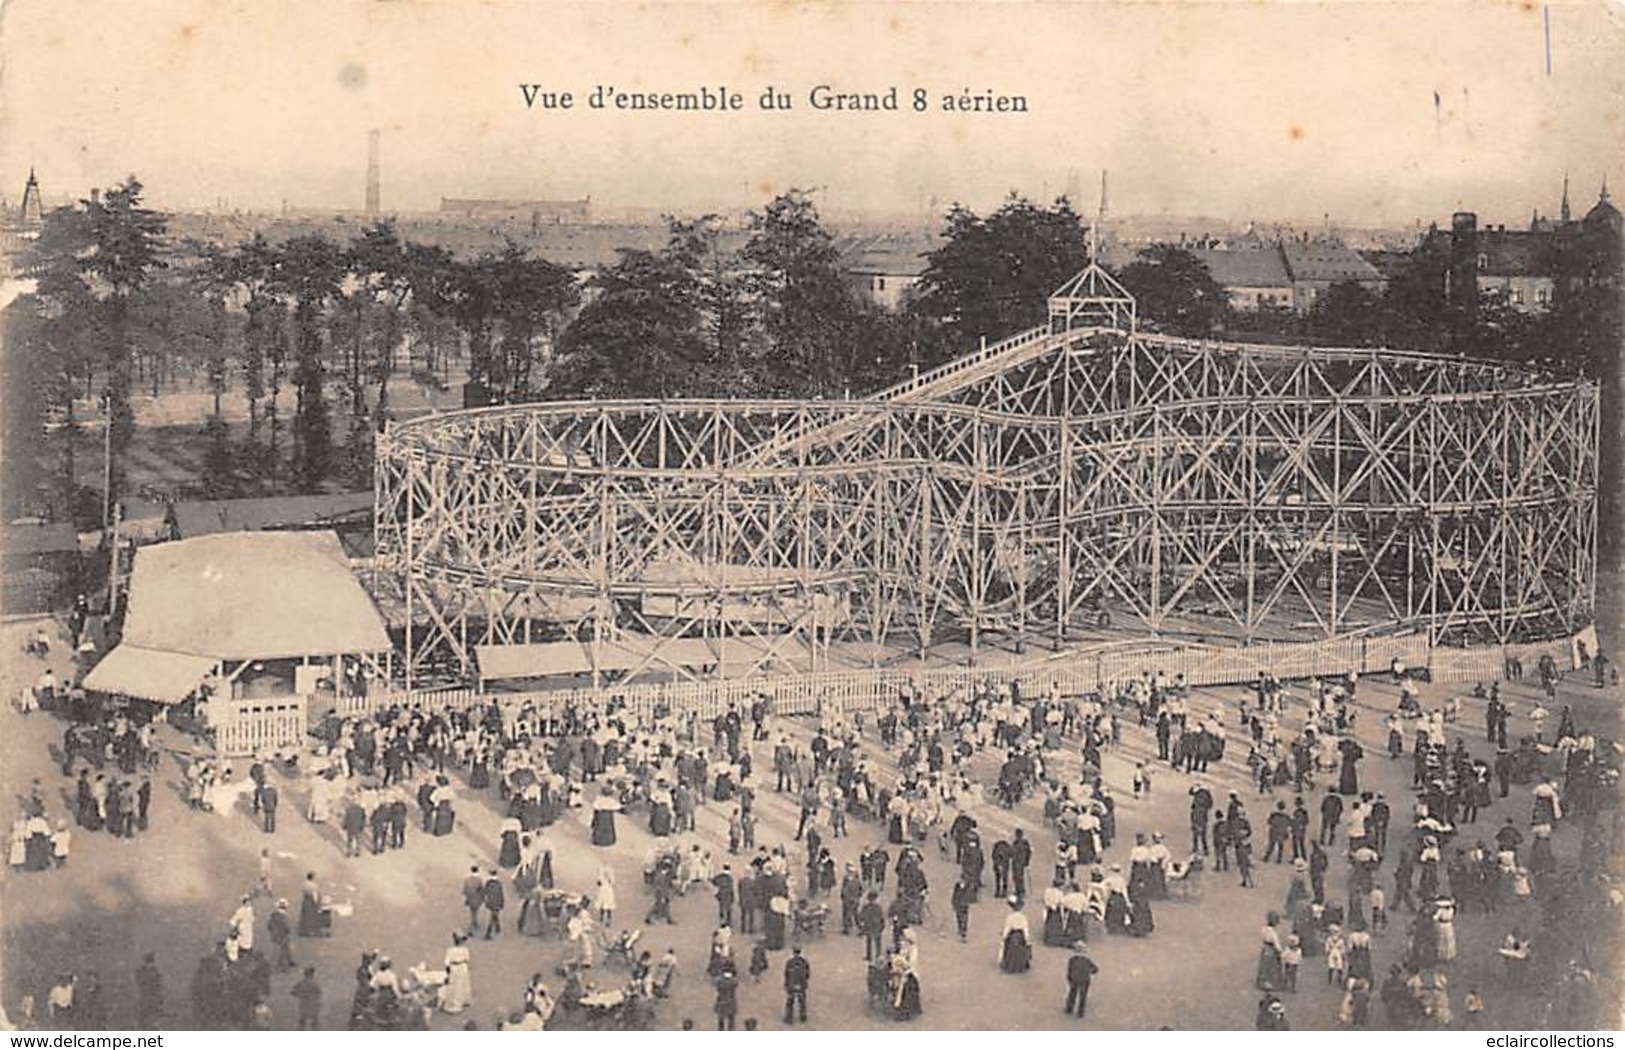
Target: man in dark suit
{"points": [[797, 976], [724, 882], [426, 803], [397, 824], [851, 899], [492, 897], [355, 825], [1080, 970], [872, 924], [1021, 858], [268, 802], [963, 897], [256, 773], [473, 897], [1001, 869], [380, 827]]}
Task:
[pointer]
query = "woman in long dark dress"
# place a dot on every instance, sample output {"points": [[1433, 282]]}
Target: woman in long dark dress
{"points": [[508, 856], [84, 802], [1054, 919], [907, 1006], [479, 776], [37, 852], [310, 908], [531, 812], [532, 912], [1016, 951], [1116, 909], [894, 829], [722, 789], [445, 815], [1348, 782], [1076, 926], [660, 812], [1140, 923], [603, 820], [775, 928]]}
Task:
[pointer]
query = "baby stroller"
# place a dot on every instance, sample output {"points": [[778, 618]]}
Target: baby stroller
{"points": [[879, 986], [622, 951], [810, 918], [1185, 877]]}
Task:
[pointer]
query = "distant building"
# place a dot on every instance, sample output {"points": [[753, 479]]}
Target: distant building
{"points": [[537, 213], [887, 268], [348, 514], [1524, 268], [1316, 265], [1253, 275]]}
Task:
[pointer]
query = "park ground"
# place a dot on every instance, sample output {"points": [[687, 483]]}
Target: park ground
{"points": [[171, 890]]}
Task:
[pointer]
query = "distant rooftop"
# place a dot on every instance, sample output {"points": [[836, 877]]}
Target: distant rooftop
{"points": [[1246, 267], [1326, 261]]}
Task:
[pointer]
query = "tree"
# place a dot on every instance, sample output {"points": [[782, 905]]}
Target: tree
{"points": [[387, 269], [95, 262], [808, 313], [640, 335], [1346, 315], [510, 304], [251, 267], [34, 394], [737, 345], [307, 270], [125, 242], [1174, 290], [433, 275], [993, 276], [54, 341]]}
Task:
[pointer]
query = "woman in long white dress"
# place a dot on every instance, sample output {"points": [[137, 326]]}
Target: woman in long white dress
{"points": [[458, 992], [604, 899], [1444, 922]]}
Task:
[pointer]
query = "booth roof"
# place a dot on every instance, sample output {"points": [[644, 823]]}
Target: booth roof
{"points": [[149, 674], [251, 595]]}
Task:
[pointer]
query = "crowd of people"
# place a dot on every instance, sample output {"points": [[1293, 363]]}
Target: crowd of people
{"points": [[925, 774]]}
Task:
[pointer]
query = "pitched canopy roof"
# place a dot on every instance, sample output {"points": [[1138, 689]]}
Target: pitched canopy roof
{"points": [[149, 674], [251, 595]]}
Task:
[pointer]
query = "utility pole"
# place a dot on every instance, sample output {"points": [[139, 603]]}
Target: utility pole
{"points": [[109, 508], [107, 462]]}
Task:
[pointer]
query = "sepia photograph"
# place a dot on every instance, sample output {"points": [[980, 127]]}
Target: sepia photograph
{"points": [[885, 517]]}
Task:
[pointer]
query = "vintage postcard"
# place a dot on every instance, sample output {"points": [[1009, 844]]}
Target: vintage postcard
{"points": [[869, 516]]}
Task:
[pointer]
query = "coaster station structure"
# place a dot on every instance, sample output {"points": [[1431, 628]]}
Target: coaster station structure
{"points": [[1084, 472]]}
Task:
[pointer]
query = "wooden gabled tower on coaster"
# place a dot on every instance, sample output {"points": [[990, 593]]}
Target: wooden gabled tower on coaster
{"points": [[1094, 298]]}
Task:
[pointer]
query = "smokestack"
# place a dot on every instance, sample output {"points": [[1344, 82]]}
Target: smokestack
{"points": [[372, 174]]}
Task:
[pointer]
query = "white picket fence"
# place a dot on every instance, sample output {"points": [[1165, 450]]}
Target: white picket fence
{"points": [[246, 727], [866, 690]]}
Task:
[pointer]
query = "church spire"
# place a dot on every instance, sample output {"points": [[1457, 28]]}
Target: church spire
{"points": [[1563, 215], [1604, 194], [32, 213]]}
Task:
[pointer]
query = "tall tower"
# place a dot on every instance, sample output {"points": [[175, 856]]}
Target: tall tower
{"points": [[372, 174], [32, 213], [1563, 213]]}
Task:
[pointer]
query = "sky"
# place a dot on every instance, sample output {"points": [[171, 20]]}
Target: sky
{"points": [[1371, 113]]}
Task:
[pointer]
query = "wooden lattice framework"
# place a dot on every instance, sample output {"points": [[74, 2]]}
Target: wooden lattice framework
{"points": [[1177, 486]]}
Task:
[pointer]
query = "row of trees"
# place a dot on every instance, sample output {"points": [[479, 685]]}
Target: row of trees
{"points": [[330, 325]]}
